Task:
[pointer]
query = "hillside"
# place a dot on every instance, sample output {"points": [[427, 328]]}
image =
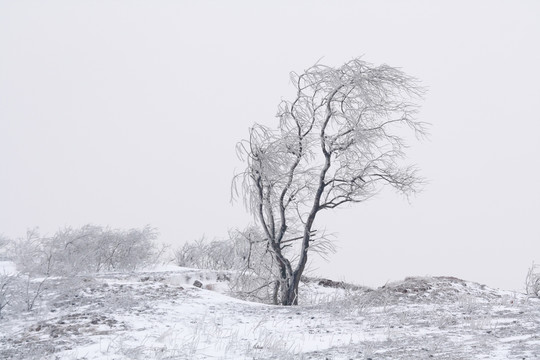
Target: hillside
{"points": [[159, 314]]}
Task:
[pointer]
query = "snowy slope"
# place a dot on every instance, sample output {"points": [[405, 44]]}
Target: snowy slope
{"points": [[159, 315]]}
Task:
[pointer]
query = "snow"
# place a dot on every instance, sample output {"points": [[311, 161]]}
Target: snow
{"points": [[7, 268], [158, 314]]}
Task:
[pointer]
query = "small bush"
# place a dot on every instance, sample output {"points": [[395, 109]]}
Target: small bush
{"points": [[88, 249], [4, 248], [6, 293], [532, 281], [19, 293], [216, 255], [244, 253]]}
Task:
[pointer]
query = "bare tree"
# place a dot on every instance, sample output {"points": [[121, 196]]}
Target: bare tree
{"points": [[338, 141]]}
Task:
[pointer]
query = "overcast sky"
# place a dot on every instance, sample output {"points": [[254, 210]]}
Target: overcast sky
{"points": [[126, 113]]}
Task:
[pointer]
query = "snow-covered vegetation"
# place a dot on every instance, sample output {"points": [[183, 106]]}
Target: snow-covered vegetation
{"points": [[88, 249], [147, 311], [91, 249], [532, 281], [170, 312], [252, 269], [338, 142]]}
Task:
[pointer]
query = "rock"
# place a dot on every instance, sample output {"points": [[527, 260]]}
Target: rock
{"points": [[331, 284]]}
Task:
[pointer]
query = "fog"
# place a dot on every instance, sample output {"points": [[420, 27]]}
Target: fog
{"points": [[127, 113]]}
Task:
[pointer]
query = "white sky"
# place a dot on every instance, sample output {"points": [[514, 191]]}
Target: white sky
{"points": [[126, 113]]}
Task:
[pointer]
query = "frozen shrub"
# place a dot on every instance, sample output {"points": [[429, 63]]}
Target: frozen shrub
{"points": [[228, 254], [6, 292], [192, 254], [255, 279], [532, 281], [4, 247], [87, 249], [244, 253], [19, 293], [31, 254]]}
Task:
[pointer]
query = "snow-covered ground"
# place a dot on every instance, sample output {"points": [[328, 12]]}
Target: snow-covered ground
{"points": [[159, 314]]}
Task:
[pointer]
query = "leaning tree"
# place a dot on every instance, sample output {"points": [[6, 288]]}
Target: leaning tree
{"points": [[339, 141]]}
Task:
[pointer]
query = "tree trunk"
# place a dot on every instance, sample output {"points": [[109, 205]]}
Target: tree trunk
{"points": [[289, 290], [290, 283]]}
